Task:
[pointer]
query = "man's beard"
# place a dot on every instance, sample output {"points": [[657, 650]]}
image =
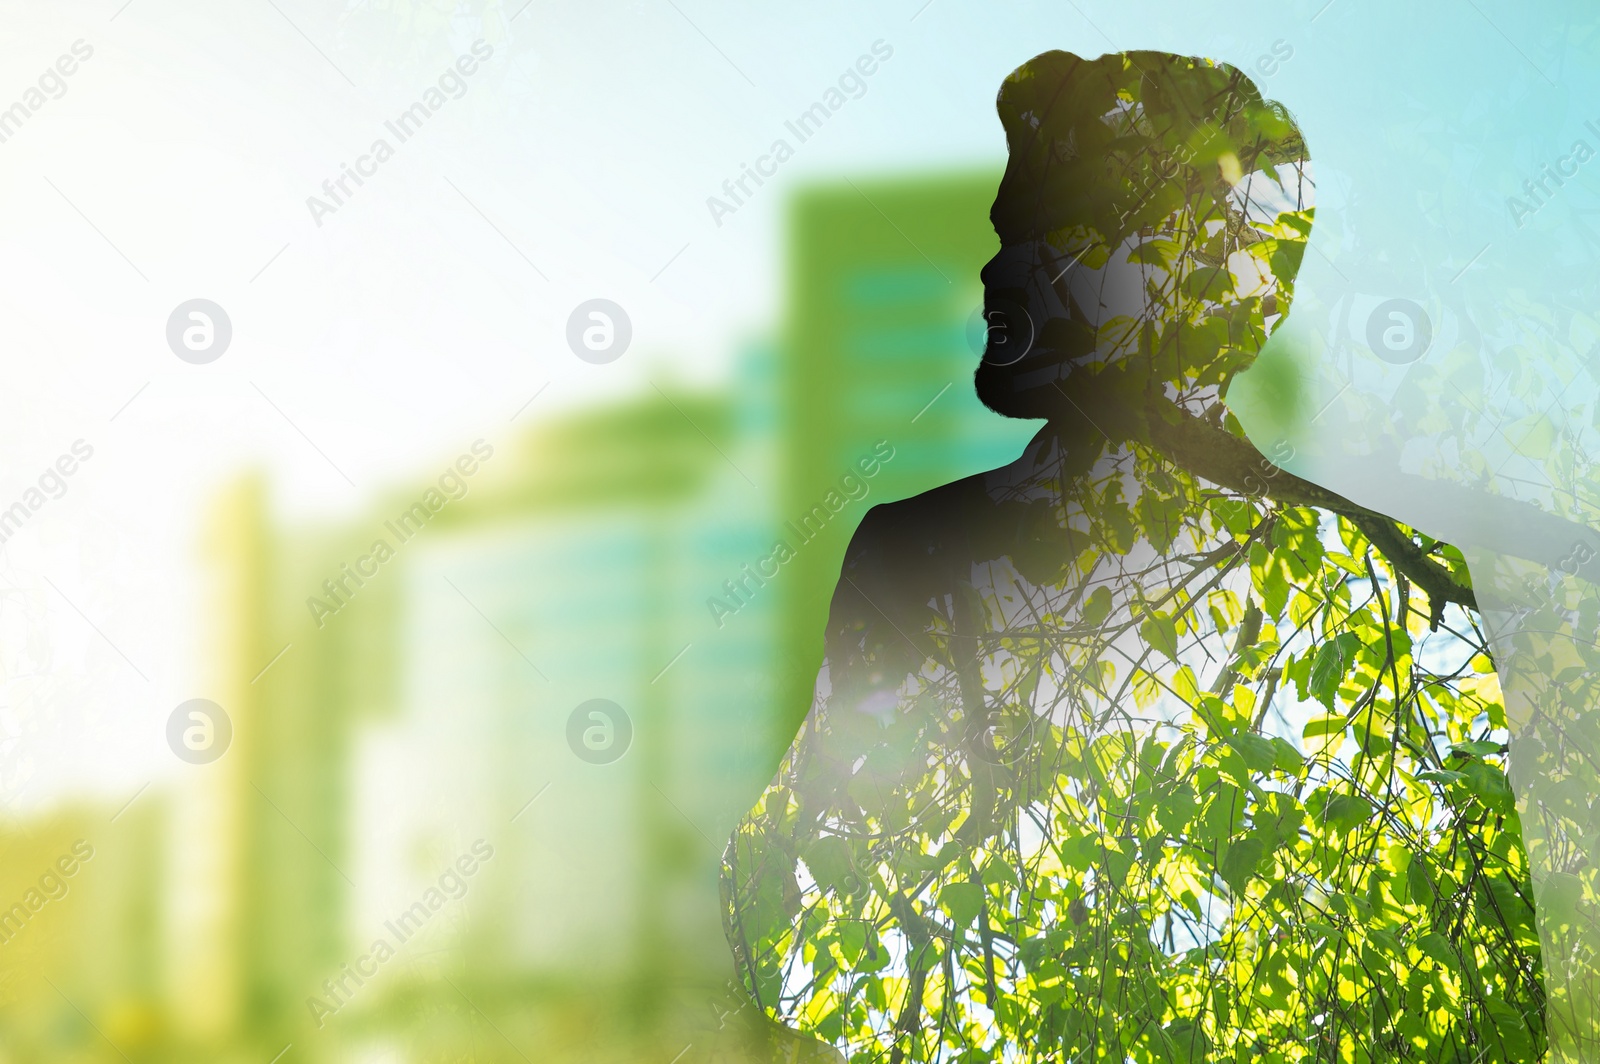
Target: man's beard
{"points": [[1025, 389]]}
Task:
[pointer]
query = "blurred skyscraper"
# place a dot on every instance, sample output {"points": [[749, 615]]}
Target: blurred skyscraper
{"points": [[397, 710], [878, 345]]}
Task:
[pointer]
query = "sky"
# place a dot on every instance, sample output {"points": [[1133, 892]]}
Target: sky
{"points": [[431, 307]]}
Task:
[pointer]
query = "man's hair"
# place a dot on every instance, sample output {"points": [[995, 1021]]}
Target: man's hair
{"points": [[1116, 144]]}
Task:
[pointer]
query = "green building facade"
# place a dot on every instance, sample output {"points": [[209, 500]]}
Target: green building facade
{"points": [[393, 714]]}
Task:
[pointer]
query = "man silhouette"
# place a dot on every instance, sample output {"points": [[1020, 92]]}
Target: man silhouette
{"points": [[1151, 219]]}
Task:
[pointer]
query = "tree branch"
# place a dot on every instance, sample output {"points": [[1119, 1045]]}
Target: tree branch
{"points": [[1216, 455], [1403, 553]]}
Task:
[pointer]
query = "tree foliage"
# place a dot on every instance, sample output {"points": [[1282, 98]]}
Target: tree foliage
{"points": [[1143, 749]]}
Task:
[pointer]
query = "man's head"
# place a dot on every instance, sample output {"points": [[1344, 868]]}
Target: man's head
{"points": [[1151, 219]]}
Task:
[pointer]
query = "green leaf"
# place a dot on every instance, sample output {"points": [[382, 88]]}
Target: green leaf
{"points": [[1274, 585], [1154, 252], [1177, 809], [1515, 1030], [1097, 607], [998, 871], [1328, 668], [1184, 1042], [1345, 812], [1347, 563], [1221, 718], [852, 940], [1489, 784], [1160, 632], [1438, 947], [1118, 864], [831, 866], [1209, 283], [962, 901], [1259, 753], [1317, 727], [1185, 684], [1286, 256], [1419, 883], [1297, 221], [1278, 819]]}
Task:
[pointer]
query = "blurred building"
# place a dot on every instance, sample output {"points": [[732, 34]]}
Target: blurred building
{"points": [[417, 671], [81, 956], [398, 711], [880, 342]]}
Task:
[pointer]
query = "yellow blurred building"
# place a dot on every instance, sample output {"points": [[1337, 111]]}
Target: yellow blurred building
{"points": [[399, 712]]}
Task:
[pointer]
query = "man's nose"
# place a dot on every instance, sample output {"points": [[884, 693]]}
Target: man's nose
{"points": [[986, 275], [1010, 267]]}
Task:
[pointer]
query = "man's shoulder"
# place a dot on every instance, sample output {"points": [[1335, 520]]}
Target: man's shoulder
{"points": [[933, 522], [904, 556]]}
